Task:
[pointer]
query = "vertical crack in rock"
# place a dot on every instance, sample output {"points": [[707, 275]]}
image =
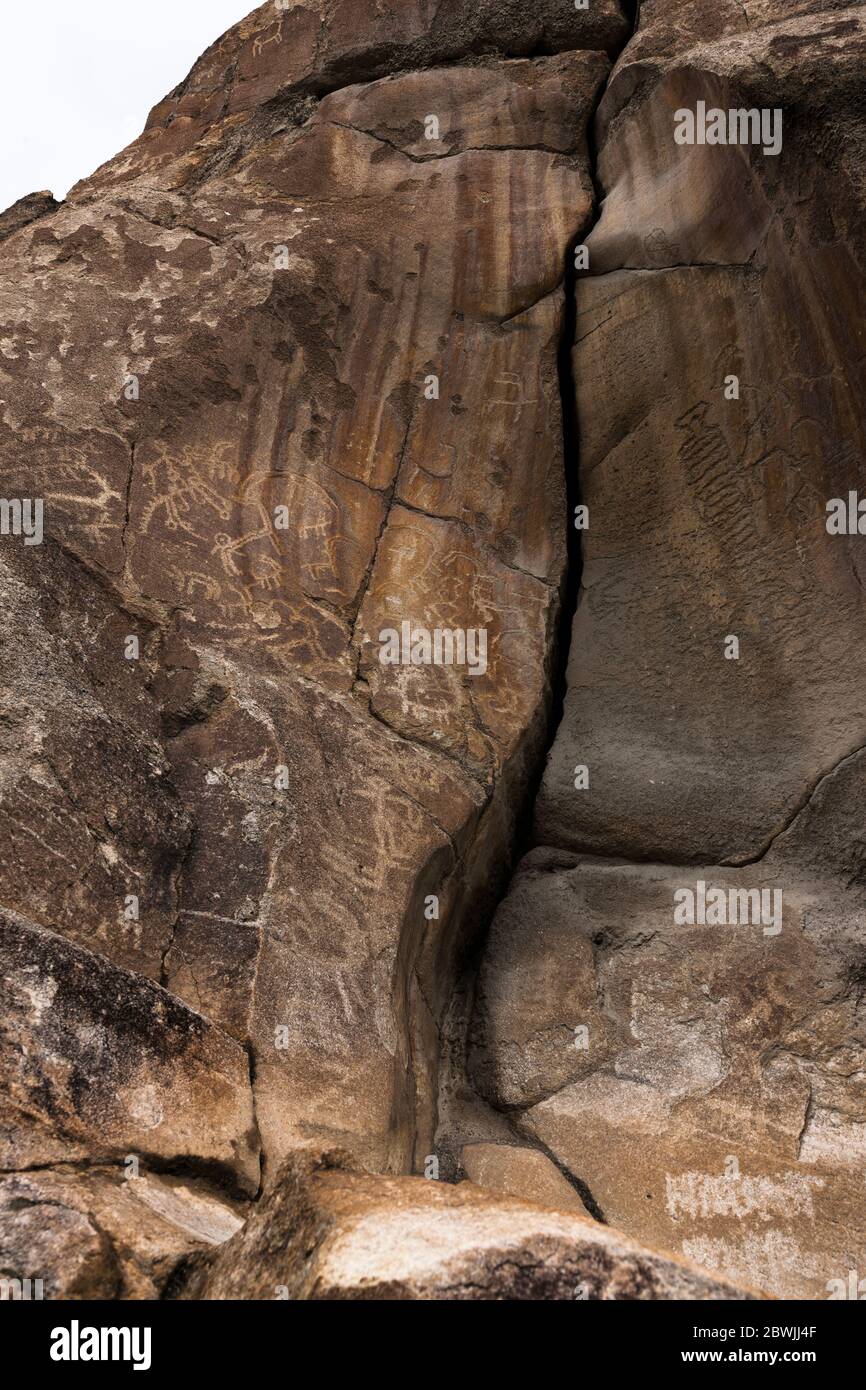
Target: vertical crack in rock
{"points": [[464, 1117], [285, 323], [127, 501], [684, 1061]]}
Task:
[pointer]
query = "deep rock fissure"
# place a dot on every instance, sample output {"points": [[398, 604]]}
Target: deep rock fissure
{"points": [[580, 1186], [455, 1033]]}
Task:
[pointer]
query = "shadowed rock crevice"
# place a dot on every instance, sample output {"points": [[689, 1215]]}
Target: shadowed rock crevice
{"points": [[463, 1117]]}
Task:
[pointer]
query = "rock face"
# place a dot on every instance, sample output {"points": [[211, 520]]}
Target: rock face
{"points": [[273, 412], [704, 1078], [513, 1171], [291, 439], [100, 1235], [324, 1233], [714, 261], [26, 210], [100, 1062]]}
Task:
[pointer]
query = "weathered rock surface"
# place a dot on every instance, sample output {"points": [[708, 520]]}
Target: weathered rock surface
{"points": [[325, 1233], [285, 59], [702, 1081], [511, 1171], [216, 368], [89, 817], [97, 1235], [288, 373], [99, 1062], [705, 1081], [708, 514], [27, 209]]}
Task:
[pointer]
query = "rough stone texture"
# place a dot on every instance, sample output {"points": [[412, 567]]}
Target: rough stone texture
{"points": [[95, 1235], [216, 368], [27, 209], [715, 1106], [88, 813], [716, 1103], [282, 60], [708, 515], [324, 1233], [97, 1061], [510, 1171], [282, 260]]}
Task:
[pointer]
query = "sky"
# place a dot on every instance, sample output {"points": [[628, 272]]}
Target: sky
{"points": [[80, 77]]}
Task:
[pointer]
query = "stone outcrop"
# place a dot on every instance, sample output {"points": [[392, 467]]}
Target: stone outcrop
{"points": [[98, 1062], [272, 410], [323, 1233], [292, 379], [512, 1170], [100, 1234], [27, 209], [712, 261], [704, 1080]]}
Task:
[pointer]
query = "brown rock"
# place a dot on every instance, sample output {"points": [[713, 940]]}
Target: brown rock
{"points": [[324, 1233], [26, 210], [228, 410], [97, 1061], [708, 514], [711, 1106], [64, 1256], [272, 63], [288, 375], [714, 1103], [510, 1171], [97, 1235], [92, 833]]}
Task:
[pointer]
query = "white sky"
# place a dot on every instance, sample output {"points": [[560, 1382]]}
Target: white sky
{"points": [[80, 76]]}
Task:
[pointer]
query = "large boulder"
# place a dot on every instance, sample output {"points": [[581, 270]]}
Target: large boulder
{"points": [[104, 1234], [98, 1062], [327, 1233]]}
